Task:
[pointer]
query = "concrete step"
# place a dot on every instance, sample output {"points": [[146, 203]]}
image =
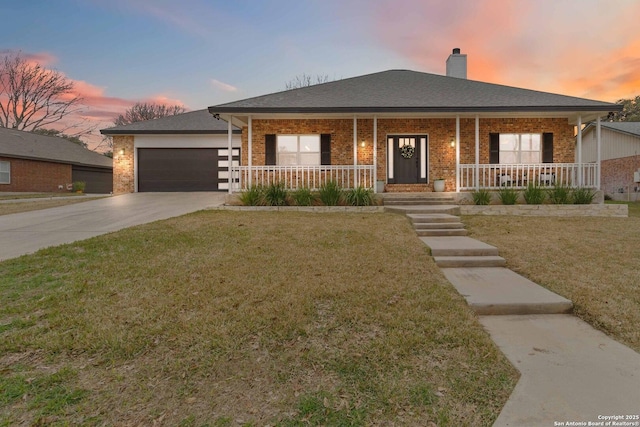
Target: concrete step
{"points": [[437, 225], [433, 218], [421, 209], [492, 291], [458, 246], [442, 232], [469, 261], [414, 201]]}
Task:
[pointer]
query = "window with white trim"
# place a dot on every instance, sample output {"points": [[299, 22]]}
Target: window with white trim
{"points": [[520, 148], [294, 150], [5, 172]]}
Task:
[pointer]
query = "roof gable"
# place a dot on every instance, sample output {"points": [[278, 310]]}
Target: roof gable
{"points": [[28, 145], [193, 122], [410, 91]]}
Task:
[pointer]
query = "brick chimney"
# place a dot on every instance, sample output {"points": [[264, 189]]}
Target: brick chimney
{"points": [[457, 64]]}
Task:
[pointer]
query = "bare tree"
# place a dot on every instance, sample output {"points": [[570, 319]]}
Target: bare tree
{"points": [[31, 96], [305, 80], [146, 111]]}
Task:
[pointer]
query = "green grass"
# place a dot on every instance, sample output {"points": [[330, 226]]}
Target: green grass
{"points": [[250, 318], [588, 260]]}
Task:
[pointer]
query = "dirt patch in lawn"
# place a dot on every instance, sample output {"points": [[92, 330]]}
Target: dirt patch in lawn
{"points": [[245, 318]]}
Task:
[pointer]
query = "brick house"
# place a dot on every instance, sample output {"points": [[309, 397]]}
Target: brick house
{"points": [[401, 130], [619, 155], [36, 163]]}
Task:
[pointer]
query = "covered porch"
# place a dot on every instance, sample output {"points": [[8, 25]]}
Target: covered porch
{"points": [[449, 154]]}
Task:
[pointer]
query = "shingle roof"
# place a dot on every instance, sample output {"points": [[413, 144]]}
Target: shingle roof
{"points": [[632, 128], [193, 122], [27, 145], [410, 91]]}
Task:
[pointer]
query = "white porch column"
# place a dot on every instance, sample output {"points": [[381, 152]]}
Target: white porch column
{"points": [[355, 151], [230, 152], [375, 154], [457, 154], [249, 150], [580, 168], [476, 174], [599, 153]]}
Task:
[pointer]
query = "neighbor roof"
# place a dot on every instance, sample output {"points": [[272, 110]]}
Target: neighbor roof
{"points": [[632, 128], [410, 91], [193, 122], [27, 145]]}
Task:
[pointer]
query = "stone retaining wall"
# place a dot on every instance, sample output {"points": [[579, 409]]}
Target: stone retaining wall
{"points": [[371, 209], [548, 210]]}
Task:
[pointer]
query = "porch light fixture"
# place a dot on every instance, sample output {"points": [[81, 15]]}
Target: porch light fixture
{"points": [[121, 152], [362, 144], [453, 143]]}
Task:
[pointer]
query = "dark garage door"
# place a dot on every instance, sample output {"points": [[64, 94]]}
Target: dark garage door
{"points": [[97, 180], [178, 169]]}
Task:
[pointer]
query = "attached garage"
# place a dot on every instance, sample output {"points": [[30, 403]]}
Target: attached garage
{"points": [[185, 152], [183, 169]]}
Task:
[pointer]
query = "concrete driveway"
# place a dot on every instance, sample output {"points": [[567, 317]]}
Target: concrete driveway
{"points": [[27, 232]]}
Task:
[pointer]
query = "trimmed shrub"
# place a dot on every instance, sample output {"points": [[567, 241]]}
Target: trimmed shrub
{"points": [[275, 194], [583, 196], [359, 196], [253, 196], [330, 193], [303, 197], [508, 196], [481, 197], [534, 195], [559, 195]]}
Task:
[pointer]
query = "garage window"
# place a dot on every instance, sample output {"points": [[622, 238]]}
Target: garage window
{"points": [[5, 173]]}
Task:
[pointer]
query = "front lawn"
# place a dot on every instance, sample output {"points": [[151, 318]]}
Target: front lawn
{"points": [[592, 261], [244, 318]]}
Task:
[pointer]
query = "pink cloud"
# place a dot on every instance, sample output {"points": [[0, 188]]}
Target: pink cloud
{"points": [[592, 51], [223, 86]]}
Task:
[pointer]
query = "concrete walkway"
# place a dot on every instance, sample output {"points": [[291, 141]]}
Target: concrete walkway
{"points": [[27, 232], [570, 372]]}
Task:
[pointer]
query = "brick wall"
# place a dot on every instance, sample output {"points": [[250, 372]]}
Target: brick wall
{"points": [[442, 157], [38, 176], [123, 173], [618, 173]]}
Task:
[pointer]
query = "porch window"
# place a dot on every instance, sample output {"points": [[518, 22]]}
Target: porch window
{"points": [[520, 148], [5, 173], [298, 150]]}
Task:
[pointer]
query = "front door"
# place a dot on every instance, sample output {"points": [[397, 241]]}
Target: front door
{"points": [[409, 161]]}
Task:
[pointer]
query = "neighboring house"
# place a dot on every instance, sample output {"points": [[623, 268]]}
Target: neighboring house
{"points": [[36, 163], [185, 152], [620, 156], [399, 130]]}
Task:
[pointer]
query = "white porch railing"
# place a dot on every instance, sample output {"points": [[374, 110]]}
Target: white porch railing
{"points": [[494, 176], [294, 177]]}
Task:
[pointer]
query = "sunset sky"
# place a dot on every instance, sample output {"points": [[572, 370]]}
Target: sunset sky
{"points": [[205, 52]]}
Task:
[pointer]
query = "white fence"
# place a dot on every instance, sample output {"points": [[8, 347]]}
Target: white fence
{"points": [[494, 176], [294, 177]]}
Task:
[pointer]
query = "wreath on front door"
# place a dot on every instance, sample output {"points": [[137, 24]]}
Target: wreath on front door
{"points": [[407, 151]]}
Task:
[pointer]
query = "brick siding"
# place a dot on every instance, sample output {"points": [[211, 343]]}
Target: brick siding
{"points": [[442, 157], [123, 172], [37, 176], [618, 174]]}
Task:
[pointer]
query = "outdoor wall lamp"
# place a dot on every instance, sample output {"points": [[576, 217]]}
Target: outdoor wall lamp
{"points": [[453, 143], [362, 144], [121, 152]]}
